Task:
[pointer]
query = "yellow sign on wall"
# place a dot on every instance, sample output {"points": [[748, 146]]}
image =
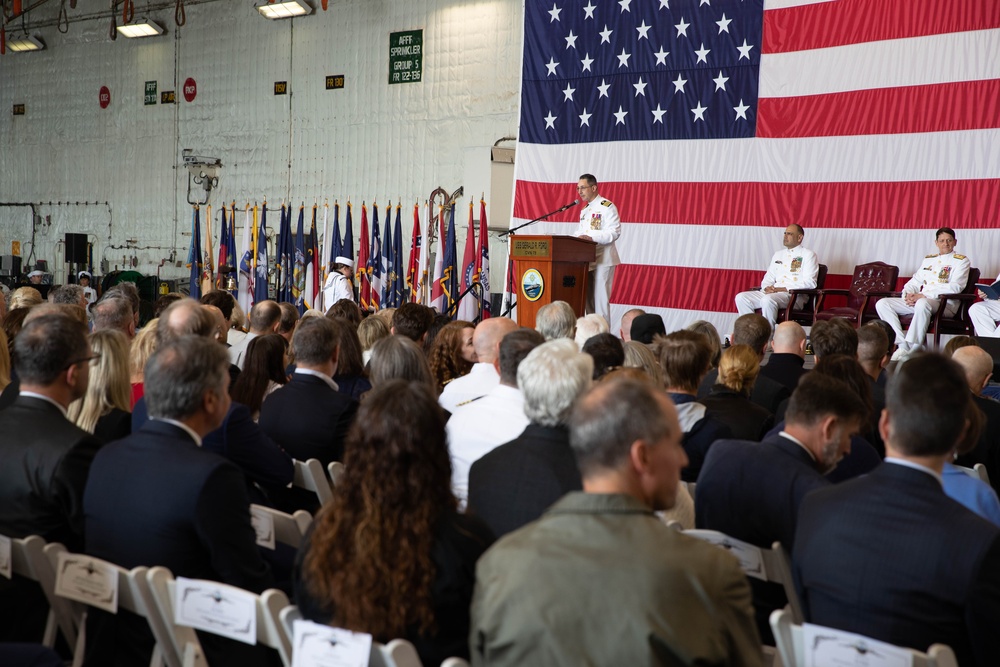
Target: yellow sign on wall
{"points": [[15, 248]]}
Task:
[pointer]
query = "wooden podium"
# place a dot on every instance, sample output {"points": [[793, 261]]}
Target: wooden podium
{"points": [[547, 269]]}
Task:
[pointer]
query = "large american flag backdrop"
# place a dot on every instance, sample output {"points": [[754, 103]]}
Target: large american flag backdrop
{"points": [[712, 124]]}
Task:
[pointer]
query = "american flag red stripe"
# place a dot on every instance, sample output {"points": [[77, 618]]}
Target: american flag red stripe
{"points": [[876, 123]]}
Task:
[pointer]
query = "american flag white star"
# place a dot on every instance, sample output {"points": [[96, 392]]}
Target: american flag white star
{"points": [[658, 114], [664, 4], [586, 62], [744, 50], [623, 58], [620, 116], [551, 66], [606, 34], [661, 57], [589, 10], [640, 88], [741, 110], [702, 54], [585, 118], [603, 89], [554, 13], [642, 30], [723, 24], [699, 113], [568, 92], [679, 84], [625, 5], [682, 27], [571, 40], [550, 121], [720, 81]]}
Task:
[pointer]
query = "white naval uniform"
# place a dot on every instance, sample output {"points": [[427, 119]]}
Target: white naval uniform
{"points": [[336, 287], [599, 220], [791, 268], [937, 275], [984, 316]]}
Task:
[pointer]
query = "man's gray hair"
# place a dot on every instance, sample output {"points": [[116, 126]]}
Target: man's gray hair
{"points": [[612, 416], [556, 320], [113, 312], [552, 377], [68, 294], [180, 372], [185, 317], [315, 340]]}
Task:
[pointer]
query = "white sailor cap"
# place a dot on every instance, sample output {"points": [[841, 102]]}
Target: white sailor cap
{"points": [[36, 272], [346, 261]]}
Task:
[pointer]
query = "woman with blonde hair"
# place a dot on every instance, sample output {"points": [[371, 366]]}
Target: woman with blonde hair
{"points": [[24, 297], [104, 409], [370, 331], [638, 355], [729, 400], [142, 348]]}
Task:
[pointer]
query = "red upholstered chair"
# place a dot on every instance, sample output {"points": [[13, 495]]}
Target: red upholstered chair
{"points": [[860, 308], [959, 323]]}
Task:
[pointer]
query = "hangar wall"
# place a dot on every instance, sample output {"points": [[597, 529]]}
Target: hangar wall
{"points": [[368, 140]]}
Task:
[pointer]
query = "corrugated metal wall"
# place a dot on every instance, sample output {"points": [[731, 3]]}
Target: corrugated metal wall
{"points": [[369, 140]]}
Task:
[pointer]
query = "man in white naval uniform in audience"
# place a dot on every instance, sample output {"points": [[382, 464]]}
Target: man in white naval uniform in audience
{"points": [[484, 375], [599, 222], [794, 267], [338, 283], [944, 273]]}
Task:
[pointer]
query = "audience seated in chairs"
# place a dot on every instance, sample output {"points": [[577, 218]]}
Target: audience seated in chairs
{"points": [[788, 355], [390, 555], [452, 354], [977, 364], [399, 358], [753, 330], [263, 372], [351, 377], [483, 377]]}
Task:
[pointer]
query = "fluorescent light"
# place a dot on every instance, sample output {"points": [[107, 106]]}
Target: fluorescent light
{"points": [[140, 28], [24, 43], [284, 10]]}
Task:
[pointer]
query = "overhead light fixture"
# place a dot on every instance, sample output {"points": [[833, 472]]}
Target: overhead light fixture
{"points": [[24, 43], [140, 28], [284, 10]]}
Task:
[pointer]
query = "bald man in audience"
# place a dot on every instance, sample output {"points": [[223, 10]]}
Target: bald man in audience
{"points": [[599, 579], [888, 554], [977, 364], [752, 491], [265, 318], [625, 328], [480, 426], [483, 377], [788, 355]]}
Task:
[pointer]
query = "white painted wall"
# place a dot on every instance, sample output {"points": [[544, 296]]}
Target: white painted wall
{"points": [[370, 140]]}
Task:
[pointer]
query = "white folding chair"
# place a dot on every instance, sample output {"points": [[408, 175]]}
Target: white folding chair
{"points": [[270, 632], [284, 528], [977, 471], [455, 662], [28, 560], [773, 562], [397, 653], [309, 475], [133, 596], [336, 470], [791, 645]]}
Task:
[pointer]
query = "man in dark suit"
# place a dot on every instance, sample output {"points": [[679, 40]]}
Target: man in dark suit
{"points": [[978, 366], [788, 355], [158, 498], [46, 458], [308, 417], [753, 330], [752, 491], [889, 555], [516, 482]]}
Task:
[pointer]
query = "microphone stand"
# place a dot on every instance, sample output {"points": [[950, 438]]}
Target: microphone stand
{"points": [[511, 301]]}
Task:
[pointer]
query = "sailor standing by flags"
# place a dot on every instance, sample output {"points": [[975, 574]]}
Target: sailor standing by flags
{"points": [[84, 278], [338, 284]]}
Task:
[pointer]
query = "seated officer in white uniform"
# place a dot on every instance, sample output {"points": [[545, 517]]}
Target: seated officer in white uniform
{"points": [[944, 273], [984, 315], [599, 222], [794, 267], [338, 284]]}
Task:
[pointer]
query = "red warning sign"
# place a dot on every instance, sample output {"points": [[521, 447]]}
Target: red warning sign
{"points": [[190, 90]]}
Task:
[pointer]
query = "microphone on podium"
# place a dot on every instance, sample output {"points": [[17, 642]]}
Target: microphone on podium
{"points": [[569, 205]]}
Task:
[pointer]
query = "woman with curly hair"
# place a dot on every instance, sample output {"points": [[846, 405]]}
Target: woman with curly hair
{"points": [[451, 355], [390, 555], [263, 372]]}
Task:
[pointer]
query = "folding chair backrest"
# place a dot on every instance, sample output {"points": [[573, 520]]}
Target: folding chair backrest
{"points": [[288, 528], [455, 662], [775, 563], [269, 604], [336, 470], [397, 653], [791, 645], [133, 596], [28, 560], [309, 475]]}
